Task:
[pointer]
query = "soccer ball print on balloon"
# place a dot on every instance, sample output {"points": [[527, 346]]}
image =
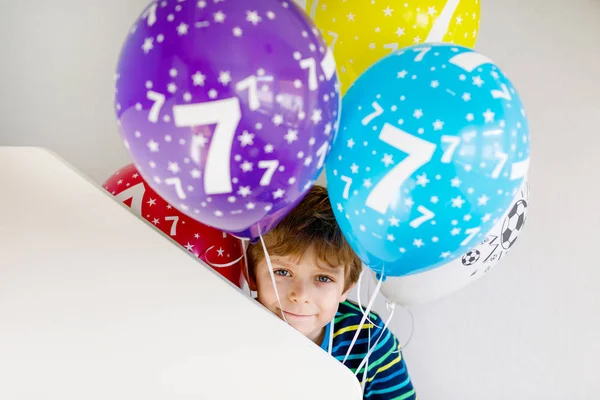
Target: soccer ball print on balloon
{"points": [[473, 265], [228, 108], [433, 146]]}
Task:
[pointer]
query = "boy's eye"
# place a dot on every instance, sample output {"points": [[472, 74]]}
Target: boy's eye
{"points": [[324, 279], [282, 272]]}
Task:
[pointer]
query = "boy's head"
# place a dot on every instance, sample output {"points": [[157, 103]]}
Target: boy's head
{"points": [[313, 264]]}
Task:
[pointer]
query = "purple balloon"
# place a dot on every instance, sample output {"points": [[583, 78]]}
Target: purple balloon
{"points": [[228, 108]]}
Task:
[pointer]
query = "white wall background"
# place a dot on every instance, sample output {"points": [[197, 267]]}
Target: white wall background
{"points": [[531, 328]]}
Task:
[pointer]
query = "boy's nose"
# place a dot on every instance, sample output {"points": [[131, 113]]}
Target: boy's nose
{"points": [[299, 293]]}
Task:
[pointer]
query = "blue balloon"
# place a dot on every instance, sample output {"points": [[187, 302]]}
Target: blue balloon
{"points": [[433, 145]]}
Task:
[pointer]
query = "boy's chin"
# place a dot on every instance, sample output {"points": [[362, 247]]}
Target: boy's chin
{"points": [[312, 333], [306, 328]]}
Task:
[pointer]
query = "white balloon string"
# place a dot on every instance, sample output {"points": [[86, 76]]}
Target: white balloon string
{"points": [[364, 318], [216, 265], [412, 330], [365, 360], [365, 372], [358, 295], [412, 327], [331, 326], [246, 267], [268, 260]]}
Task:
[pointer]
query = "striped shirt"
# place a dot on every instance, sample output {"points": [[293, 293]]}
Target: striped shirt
{"points": [[387, 377]]}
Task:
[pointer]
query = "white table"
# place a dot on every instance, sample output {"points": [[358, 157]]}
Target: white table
{"points": [[94, 304]]}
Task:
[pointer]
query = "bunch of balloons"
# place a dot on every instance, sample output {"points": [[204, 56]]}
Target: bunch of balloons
{"points": [[231, 109]]}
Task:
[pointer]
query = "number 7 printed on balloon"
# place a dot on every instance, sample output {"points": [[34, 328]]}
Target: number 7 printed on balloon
{"points": [[419, 153], [226, 114], [469, 61], [150, 14], [327, 65]]}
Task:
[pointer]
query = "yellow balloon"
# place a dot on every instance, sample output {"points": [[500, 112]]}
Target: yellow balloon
{"points": [[364, 31]]}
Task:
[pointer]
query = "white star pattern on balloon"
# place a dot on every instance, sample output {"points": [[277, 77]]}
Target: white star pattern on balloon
{"points": [[182, 29], [436, 154], [165, 91], [153, 146], [247, 166], [131, 190], [237, 31], [148, 45], [224, 77], [246, 139], [387, 160], [198, 78], [291, 136], [422, 180], [219, 17], [244, 191], [253, 17]]}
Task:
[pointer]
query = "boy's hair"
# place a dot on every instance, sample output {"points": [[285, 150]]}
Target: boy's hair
{"points": [[310, 223]]}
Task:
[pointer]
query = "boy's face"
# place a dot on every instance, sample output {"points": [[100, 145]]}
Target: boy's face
{"points": [[309, 289]]}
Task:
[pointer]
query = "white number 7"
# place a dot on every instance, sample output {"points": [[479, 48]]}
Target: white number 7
{"points": [[348, 182], [441, 24], [327, 65], [178, 187], [471, 232], [392, 46], [419, 153], [152, 14], [503, 158], [226, 114], [159, 101], [322, 152], [270, 166], [309, 64], [335, 37], [174, 219], [426, 215], [378, 111], [454, 141], [250, 84], [422, 51]]}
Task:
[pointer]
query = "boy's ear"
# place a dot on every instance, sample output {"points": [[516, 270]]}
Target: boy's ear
{"points": [[344, 295]]}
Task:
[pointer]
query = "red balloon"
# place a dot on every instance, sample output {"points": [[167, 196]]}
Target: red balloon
{"points": [[222, 251]]}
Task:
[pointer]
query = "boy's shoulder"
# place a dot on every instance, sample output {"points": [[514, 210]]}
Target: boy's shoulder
{"points": [[346, 325], [349, 313]]}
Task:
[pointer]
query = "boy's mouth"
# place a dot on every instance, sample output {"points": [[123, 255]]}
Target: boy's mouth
{"points": [[294, 315]]}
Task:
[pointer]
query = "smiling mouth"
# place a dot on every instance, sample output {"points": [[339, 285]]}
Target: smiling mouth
{"points": [[291, 314]]}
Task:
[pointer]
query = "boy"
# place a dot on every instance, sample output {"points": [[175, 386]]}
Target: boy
{"points": [[314, 270]]}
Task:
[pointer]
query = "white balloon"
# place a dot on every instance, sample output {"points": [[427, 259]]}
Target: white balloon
{"points": [[458, 273]]}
